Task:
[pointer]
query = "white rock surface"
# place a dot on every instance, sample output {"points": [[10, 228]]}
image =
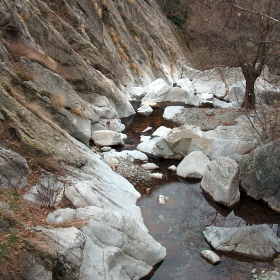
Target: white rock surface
{"points": [[107, 138], [257, 241], [220, 181], [162, 131], [210, 256], [193, 165], [145, 110], [171, 111], [149, 166]]}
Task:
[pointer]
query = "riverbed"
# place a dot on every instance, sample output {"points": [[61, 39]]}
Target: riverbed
{"points": [[179, 224]]}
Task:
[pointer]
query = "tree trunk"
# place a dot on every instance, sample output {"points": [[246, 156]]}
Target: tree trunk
{"points": [[249, 99]]}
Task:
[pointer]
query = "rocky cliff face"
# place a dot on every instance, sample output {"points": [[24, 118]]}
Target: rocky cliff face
{"points": [[65, 67]]}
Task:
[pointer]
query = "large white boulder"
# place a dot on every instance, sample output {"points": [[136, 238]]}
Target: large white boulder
{"points": [[220, 181]]}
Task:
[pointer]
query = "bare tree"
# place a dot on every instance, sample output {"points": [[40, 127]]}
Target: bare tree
{"points": [[243, 34]]}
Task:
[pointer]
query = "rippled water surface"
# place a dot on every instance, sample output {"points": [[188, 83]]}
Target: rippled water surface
{"points": [[178, 225]]}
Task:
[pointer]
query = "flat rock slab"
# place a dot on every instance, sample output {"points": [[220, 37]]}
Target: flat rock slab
{"points": [[258, 241]]}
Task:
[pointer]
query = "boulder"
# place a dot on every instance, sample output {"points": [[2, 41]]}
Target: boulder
{"points": [[107, 138], [257, 241], [133, 155], [148, 145], [193, 165], [145, 110], [162, 131], [61, 215], [237, 138], [219, 104], [260, 174], [171, 111], [13, 169], [176, 144], [201, 144], [220, 181]]}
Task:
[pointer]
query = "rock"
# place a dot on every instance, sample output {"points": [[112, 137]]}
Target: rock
{"points": [[125, 154], [201, 144], [236, 93], [149, 166], [171, 111], [147, 129], [276, 262], [220, 181], [257, 241], [136, 93], [176, 144], [61, 215], [156, 175], [193, 165], [219, 104], [148, 146], [210, 256], [172, 168], [232, 139], [13, 169], [145, 110], [162, 199], [159, 91], [107, 138], [162, 131], [144, 138], [260, 174], [35, 268], [113, 124]]}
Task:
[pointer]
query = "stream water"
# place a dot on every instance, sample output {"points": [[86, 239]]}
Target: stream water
{"points": [[179, 224]]}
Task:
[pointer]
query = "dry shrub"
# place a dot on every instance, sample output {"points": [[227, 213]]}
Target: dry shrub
{"points": [[77, 223], [126, 48], [38, 110], [95, 6], [130, 1], [78, 112], [133, 66], [99, 12], [124, 57], [57, 101], [121, 50], [18, 50], [25, 16], [150, 54], [115, 40], [123, 28], [123, 15], [136, 39], [154, 64], [104, 4]]}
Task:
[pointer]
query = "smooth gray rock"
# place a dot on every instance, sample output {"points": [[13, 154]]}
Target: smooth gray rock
{"points": [[107, 138], [176, 144], [13, 169], [145, 110], [61, 215], [220, 181], [201, 144], [232, 139], [219, 104], [261, 174], [210, 256], [171, 111], [193, 165], [257, 241]]}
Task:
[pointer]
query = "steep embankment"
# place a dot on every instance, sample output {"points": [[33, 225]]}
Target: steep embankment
{"points": [[66, 66]]}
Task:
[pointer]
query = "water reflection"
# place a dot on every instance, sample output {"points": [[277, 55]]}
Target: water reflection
{"points": [[179, 225]]}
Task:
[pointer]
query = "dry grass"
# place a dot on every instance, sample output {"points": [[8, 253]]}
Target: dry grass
{"points": [[38, 110], [133, 66], [18, 50], [25, 16], [136, 39], [57, 101], [78, 112], [104, 4], [99, 12], [150, 54], [121, 50], [130, 1], [126, 47], [154, 64], [124, 57]]}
